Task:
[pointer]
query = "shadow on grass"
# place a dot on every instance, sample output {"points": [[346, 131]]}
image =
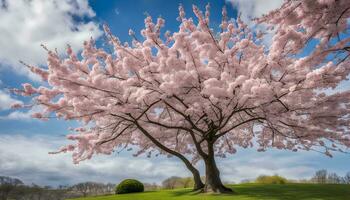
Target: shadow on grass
{"points": [[279, 192], [184, 192], [294, 191], [190, 192], [132, 193]]}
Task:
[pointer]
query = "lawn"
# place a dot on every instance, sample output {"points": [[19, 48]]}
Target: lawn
{"points": [[246, 192]]}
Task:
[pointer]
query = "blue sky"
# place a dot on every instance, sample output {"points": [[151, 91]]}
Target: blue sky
{"points": [[24, 142]]}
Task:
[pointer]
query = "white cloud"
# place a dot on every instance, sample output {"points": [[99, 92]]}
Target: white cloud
{"points": [[6, 101], [17, 115], [22, 115], [27, 158], [24, 25], [250, 9], [251, 165]]}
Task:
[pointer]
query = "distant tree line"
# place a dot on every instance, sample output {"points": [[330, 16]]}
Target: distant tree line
{"points": [[15, 189], [174, 182], [92, 188], [275, 179], [324, 177], [12, 188], [320, 177]]}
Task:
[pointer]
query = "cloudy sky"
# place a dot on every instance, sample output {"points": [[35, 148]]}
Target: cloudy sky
{"points": [[25, 142]]}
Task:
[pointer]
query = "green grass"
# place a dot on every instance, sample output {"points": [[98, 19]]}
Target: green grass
{"points": [[246, 192]]}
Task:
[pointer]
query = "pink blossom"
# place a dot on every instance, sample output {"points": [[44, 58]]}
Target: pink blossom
{"points": [[199, 91]]}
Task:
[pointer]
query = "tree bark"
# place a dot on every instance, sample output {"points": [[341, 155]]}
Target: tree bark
{"points": [[213, 182], [198, 184]]}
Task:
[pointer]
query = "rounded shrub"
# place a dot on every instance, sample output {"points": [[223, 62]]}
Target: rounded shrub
{"points": [[129, 186]]}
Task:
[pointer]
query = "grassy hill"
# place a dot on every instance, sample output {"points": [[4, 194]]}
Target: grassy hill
{"points": [[246, 192]]}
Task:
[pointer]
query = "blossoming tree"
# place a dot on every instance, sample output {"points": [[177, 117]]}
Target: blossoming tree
{"points": [[196, 94]]}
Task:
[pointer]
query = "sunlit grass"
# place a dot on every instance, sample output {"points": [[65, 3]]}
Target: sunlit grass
{"points": [[246, 192]]}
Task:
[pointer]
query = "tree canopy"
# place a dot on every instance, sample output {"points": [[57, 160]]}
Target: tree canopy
{"points": [[197, 94]]}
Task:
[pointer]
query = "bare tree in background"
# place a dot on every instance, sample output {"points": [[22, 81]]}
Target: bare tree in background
{"points": [[320, 176], [347, 178], [334, 178]]}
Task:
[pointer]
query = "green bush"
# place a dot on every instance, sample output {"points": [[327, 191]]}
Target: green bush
{"points": [[129, 186], [271, 179]]}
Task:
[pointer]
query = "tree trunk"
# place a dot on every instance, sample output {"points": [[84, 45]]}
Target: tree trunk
{"points": [[198, 184], [212, 175]]}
